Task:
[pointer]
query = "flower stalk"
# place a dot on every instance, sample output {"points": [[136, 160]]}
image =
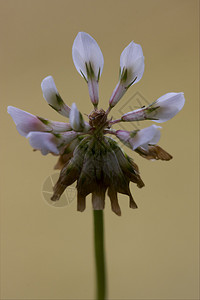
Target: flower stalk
{"points": [[101, 286]]}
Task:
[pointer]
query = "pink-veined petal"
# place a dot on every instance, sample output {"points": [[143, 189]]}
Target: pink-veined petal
{"points": [[93, 88], [135, 115], [117, 94]]}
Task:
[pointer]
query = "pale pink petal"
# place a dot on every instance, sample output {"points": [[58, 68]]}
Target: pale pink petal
{"points": [[123, 135], [44, 141], [117, 94], [135, 115], [26, 122], [50, 143], [93, 88]]}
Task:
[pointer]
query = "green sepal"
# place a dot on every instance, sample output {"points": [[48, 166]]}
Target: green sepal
{"points": [[57, 135], [83, 76], [133, 133], [123, 75], [59, 100], [89, 70], [128, 86], [44, 121]]}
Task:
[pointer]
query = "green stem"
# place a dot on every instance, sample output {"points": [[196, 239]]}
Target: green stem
{"points": [[99, 255]]}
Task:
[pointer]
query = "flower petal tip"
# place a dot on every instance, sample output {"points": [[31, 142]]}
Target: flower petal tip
{"points": [[87, 56]]}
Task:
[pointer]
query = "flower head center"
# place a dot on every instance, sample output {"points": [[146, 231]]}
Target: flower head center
{"points": [[98, 119]]}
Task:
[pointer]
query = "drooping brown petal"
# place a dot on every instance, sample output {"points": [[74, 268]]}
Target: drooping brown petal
{"points": [[63, 159], [132, 203], [71, 171], [114, 201], [127, 165], [86, 181], [134, 177], [135, 166], [126, 191], [98, 197], [68, 175], [80, 202], [154, 152], [112, 173], [66, 154]]}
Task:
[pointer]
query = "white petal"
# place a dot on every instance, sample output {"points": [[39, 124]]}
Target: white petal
{"points": [[85, 50], [51, 95], [168, 106], [156, 137], [26, 122], [44, 141], [148, 135], [132, 59], [76, 119], [55, 126], [59, 126], [49, 143], [131, 71]]}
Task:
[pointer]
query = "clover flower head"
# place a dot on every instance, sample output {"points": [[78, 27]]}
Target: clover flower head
{"points": [[87, 152]]}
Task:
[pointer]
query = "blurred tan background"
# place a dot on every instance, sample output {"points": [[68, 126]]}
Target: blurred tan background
{"points": [[47, 252]]}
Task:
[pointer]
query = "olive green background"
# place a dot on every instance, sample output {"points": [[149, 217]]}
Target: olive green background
{"points": [[151, 252]]}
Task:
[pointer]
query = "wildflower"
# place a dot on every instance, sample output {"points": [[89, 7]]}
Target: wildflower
{"points": [[87, 152]]}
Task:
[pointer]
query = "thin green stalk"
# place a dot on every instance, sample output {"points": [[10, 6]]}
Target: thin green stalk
{"points": [[99, 255]]}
